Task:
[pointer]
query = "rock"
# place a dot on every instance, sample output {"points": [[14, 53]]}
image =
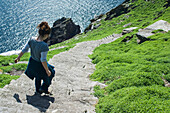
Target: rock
{"points": [[128, 30], [127, 39], [96, 26], [145, 33], [127, 16], [97, 18], [1, 71], [63, 29], [95, 23], [167, 84], [167, 4], [88, 28], [127, 24], [161, 24], [92, 26], [121, 9]]}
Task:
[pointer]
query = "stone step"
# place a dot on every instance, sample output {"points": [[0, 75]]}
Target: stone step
{"points": [[72, 90]]}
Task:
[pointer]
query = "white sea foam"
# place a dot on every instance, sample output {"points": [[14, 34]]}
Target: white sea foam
{"points": [[13, 52]]}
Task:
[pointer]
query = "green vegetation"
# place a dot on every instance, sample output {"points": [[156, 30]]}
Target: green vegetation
{"points": [[18, 67], [157, 31], [150, 99], [134, 72], [6, 79], [119, 59]]}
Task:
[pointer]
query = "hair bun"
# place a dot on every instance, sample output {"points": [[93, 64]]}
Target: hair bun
{"points": [[44, 28], [43, 25]]}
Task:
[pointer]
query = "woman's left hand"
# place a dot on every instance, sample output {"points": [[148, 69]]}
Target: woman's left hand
{"points": [[48, 73]]}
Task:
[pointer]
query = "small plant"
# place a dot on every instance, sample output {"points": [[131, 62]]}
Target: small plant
{"points": [[158, 31]]}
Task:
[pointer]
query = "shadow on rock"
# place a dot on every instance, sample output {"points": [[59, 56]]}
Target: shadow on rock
{"points": [[40, 102], [16, 96]]}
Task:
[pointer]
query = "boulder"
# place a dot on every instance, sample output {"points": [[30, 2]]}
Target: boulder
{"points": [[63, 29], [145, 33], [127, 38], [92, 26], [127, 24], [95, 23], [161, 24], [97, 18], [128, 30], [96, 26], [167, 4], [88, 28]]}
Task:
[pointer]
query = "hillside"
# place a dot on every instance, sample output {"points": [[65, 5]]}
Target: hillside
{"points": [[135, 70]]}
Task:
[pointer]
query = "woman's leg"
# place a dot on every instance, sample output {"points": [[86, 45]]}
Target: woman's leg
{"points": [[37, 84], [45, 84]]}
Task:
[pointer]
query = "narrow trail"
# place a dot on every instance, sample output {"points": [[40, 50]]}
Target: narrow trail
{"points": [[72, 90]]}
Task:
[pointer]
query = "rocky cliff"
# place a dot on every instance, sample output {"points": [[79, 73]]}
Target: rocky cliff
{"points": [[115, 12], [63, 29]]}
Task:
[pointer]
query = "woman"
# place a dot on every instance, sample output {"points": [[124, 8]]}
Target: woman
{"points": [[38, 67]]}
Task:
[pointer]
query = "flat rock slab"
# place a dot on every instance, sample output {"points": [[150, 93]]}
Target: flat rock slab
{"points": [[161, 24], [128, 30], [72, 90], [143, 34]]}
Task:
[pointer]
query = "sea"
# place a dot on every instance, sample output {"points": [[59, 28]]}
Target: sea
{"points": [[19, 18]]}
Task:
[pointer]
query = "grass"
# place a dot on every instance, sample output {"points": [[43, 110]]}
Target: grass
{"points": [[149, 99], [132, 71], [133, 67], [6, 79]]}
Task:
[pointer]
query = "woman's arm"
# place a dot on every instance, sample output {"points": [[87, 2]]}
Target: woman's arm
{"points": [[18, 58], [44, 62], [46, 68], [25, 49]]}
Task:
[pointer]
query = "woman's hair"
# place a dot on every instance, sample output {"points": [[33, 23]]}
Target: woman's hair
{"points": [[44, 29]]}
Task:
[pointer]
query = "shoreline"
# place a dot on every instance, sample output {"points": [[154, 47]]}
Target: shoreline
{"points": [[9, 53]]}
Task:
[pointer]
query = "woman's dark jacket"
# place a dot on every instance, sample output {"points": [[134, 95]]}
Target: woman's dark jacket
{"points": [[36, 70]]}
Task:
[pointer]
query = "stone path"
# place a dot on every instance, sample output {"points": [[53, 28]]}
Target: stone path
{"points": [[72, 90]]}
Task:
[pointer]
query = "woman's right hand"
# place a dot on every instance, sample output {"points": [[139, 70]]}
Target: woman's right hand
{"points": [[17, 59], [48, 73]]}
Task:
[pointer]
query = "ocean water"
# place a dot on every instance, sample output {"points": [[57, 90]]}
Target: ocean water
{"points": [[19, 18]]}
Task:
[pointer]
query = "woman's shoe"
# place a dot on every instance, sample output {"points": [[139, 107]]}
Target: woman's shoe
{"points": [[38, 93], [46, 92]]}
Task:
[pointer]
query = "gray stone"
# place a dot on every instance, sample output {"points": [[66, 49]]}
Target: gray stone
{"points": [[127, 24], [96, 26], [97, 18], [128, 30], [127, 38], [143, 34], [88, 28], [161, 24]]}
